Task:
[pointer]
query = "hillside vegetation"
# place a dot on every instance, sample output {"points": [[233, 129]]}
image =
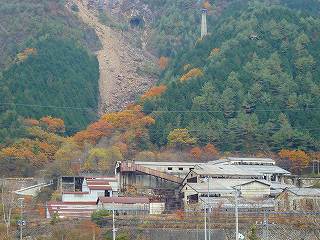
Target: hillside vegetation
{"points": [[251, 85], [46, 66], [25, 22], [59, 79]]}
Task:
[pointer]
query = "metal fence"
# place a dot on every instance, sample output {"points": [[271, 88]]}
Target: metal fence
{"points": [[177, 226]]}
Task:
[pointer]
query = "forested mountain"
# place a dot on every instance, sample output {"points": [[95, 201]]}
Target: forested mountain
{"points": [[23, 23], [46, 66], [59, 79], [251, 85]]}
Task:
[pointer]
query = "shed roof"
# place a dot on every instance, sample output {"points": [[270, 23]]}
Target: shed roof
{"points": [[123, 200]]}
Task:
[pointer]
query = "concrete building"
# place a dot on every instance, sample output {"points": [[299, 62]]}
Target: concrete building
{"points": [[299, 199], [157, 179], [258, 180], [91, 189], [219, 193], [238, 168], [79, 196]]}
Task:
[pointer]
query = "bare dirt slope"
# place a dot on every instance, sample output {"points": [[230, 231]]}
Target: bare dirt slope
{"points": [[122, 75]]}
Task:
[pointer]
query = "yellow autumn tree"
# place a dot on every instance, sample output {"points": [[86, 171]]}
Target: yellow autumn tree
{"points": [[193, 73], [180, 138]]}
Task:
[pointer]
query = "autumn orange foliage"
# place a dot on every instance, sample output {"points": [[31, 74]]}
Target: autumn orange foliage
{"points": [[298, 158], [25, 54], [194, 72], [206, 4], [196, 152], [154, 92], [163, 62], [31, 122], [214, 52], [211, 150], [130, 122], [51, 124]]}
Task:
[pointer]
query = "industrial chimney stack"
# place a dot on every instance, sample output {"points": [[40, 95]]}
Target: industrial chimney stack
{"points": [[204, 29]]}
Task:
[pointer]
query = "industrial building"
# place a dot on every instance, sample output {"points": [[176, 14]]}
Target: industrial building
{"points": [[159, 180], [299, 199], [255, 180], [79, 196]]}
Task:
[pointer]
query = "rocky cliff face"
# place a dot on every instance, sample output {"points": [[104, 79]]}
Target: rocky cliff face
{"points": [[126, 69]]}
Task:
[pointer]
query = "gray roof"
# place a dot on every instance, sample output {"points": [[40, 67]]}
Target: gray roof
{"points": [[252, 159], [315, 192], [240, 170], [166, 163], [228, 203], [242, 159], [222, 185]]}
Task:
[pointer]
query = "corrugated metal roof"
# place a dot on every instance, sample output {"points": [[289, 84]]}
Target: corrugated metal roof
{"points": [[100, 187], [75, 193], [124, 200], [221, 185], [101, 184], [227, 203], [315, 192], [166, 163], [250, 159], [71, 209], [240, 170]]}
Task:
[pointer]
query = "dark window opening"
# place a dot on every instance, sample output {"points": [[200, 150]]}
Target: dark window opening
{"points": [[169, 168], [106, 193], [180, 168]]}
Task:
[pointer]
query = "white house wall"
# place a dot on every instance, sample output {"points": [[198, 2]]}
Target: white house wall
{"points": [[91, 196], [255, 189]]}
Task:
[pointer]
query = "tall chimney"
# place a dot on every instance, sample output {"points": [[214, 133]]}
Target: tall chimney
{"points": [[204, 29]]}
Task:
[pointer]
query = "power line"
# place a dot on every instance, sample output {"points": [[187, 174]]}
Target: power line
{"points": [[162, 111]]}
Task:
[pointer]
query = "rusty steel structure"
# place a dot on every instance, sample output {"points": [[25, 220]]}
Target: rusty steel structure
{"points": [[132, 167]]}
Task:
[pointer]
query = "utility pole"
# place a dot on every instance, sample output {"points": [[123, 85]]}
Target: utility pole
{"points": [[209, 210], [205, 211], [21, 215], [205, 221], [236, 214], [113, 225], [265, 232]]}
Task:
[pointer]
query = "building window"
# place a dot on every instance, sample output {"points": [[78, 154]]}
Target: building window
{"points": [[169, 168], [294, 205], [181, 168]]}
